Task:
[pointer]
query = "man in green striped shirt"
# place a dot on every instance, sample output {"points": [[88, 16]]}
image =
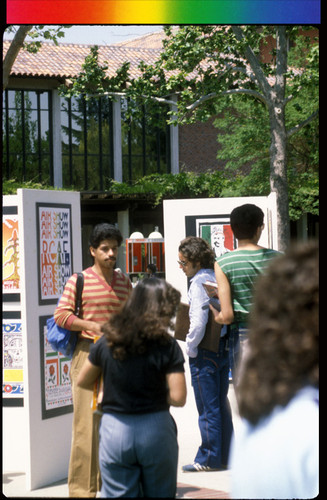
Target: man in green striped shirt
{"points": [[236, 273]]}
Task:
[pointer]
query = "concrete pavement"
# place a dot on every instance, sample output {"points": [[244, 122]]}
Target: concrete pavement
{"points": [[189, 485]]}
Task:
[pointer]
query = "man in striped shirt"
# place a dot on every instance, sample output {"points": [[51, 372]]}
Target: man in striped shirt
{"points": [[105, 291], [236, 273]]}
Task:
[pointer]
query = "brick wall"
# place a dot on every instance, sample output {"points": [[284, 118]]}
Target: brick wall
{"points": [[198, 147]]}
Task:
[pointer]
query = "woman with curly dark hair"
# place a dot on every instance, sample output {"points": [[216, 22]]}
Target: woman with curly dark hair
{"points": [[275, 454], [143, 374]]}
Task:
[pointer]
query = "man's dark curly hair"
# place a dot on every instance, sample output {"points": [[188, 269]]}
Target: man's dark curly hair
{"points": [[104, 231], [283, 333], [145, 317], [197, 250]]}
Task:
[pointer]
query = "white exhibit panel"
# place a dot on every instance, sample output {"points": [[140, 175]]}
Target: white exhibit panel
{"points": [[14, 418], [209, 218], [49, 224]]}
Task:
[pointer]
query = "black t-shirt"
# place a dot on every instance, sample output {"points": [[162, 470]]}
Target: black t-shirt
{"points": [[138, 383]]}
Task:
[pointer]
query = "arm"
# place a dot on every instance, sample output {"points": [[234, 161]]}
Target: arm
{"points": [[176, 388], [65, 311], [88, 375], [198, 314], [79, 325], [226, 315]]}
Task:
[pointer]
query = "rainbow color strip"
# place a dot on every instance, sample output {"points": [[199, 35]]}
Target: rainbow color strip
{"points": [[163, 11]]}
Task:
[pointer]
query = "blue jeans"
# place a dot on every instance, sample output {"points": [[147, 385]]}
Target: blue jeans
{"points": [[138, 455], [238, 334], [209, 372]]}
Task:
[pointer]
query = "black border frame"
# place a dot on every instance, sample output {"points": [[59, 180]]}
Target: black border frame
{"points": [[55, 412], [8, 401], [51, 205], [15, 296]]}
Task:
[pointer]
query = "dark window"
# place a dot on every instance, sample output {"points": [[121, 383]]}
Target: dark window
{"points": [[145, 141], [87, 149], [87, 140], [27, 136]]}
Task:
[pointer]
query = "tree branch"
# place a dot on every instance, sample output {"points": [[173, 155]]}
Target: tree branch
{"points": [[253, 93], [281, 61], [202, 99], [15, 46], [124, 94], [298, 127], [254, 63]]}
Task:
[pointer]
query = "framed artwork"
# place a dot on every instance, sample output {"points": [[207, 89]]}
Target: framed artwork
{"points": [[54, 250], [12, 359], [215, 229], [10, 255], [56, 389]]}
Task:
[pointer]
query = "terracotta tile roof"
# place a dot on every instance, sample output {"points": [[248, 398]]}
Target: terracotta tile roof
{"points": [[148, 41], [65, 60]]}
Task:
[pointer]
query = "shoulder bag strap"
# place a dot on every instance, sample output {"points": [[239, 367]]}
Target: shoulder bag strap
{"points": [[79, 289]]}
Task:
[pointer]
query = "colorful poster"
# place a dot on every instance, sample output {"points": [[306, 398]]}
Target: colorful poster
{"points": [[12, 359], [55, 380], [10, 254], [215, 229], [54, 235]]}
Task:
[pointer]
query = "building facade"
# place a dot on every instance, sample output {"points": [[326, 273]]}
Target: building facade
{"points": [[88, 144]]}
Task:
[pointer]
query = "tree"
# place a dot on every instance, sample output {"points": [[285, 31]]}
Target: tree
{"points": [[244, 139], [18, 43], [202, 63]]}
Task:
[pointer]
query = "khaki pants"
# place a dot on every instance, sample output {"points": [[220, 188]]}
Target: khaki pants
{"points": [[84, 474]]}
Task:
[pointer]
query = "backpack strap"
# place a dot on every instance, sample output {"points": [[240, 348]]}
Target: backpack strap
{"points": [[79, 289]]}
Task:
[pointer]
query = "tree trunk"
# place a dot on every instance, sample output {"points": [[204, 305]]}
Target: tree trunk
{"points": [[278, 174], [15, 46], [275, 101], [278, 145]]}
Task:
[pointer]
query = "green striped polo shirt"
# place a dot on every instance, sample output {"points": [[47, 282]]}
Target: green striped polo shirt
{"points": [[242, 268]]}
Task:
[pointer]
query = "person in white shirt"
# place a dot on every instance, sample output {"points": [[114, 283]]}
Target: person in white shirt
{"points": [[209, 369]]}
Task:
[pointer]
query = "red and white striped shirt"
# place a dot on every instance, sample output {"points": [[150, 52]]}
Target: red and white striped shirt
{"points": [[99, 299]]}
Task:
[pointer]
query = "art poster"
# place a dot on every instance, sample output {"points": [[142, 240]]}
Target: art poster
{"points": [[55, 380], [54, 244], [215, 229], [12, 359], [10, 253]]}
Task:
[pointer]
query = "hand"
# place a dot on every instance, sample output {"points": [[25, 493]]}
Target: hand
{"points": [[95, 328], [219, 318], [90, 327], [216, 313]]}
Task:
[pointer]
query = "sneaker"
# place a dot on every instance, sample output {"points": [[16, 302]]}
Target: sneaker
{"points": [[198, 468]]}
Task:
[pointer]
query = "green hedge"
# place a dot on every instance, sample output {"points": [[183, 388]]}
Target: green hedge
{"points": [[303, 188]]}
